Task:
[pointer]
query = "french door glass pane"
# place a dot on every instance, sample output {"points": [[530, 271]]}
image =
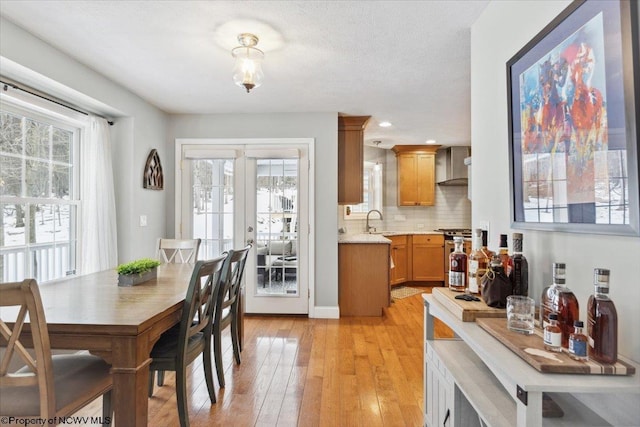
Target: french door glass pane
{"points": [[276, 222], [213, 205]]}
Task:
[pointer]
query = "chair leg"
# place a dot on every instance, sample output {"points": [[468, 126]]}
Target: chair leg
{"points": [[150, 383], [181, 396], [208, 374], [234, 338], [160, 378], [217, 354], [107, 411]]}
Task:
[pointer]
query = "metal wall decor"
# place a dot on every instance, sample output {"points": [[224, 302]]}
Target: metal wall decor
{"points": [[153, 178]]}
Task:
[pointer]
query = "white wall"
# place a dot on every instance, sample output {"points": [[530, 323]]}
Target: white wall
{"points": [[139, 127], [503, 29], [321, 126]]}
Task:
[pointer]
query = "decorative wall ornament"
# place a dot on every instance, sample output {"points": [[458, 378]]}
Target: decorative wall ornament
{"points": [[153, 178]]}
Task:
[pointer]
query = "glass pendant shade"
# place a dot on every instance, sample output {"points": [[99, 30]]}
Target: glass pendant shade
{"points": [[247, 71]]}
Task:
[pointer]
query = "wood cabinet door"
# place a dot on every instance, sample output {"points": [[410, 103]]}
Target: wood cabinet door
{"points": [[350, 158], [428, 258], [425, 179], [400, 256], [407, 180]]}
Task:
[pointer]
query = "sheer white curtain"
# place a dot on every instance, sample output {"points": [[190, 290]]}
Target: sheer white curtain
{"points": [[99, 232]]}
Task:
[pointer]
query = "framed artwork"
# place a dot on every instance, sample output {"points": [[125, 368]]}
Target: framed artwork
{"points": [[574, 108], [153, 178]]}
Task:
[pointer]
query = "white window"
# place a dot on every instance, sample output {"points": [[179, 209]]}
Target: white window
{"points": [[39, 194]]}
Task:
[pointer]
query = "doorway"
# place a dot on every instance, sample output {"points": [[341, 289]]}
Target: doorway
{"points": [[256, 192]]}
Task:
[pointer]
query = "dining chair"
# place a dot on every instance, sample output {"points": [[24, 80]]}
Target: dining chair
{"points": [[178, 250], [227, 308], [48, 386], [181, 345]]}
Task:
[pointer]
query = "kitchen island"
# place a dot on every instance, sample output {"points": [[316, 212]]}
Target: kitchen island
{"points": [[363, 274]]}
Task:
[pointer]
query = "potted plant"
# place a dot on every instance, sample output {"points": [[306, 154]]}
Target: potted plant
{"points": [[138, 271]]}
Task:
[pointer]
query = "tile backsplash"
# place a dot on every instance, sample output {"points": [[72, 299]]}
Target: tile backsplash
{"points": [[452, 208]]}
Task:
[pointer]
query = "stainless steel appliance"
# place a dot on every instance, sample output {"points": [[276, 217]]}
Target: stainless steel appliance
{"points": [[449, 234]]}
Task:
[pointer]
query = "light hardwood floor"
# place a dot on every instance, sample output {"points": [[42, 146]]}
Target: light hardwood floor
{"points": [[357, 371]]}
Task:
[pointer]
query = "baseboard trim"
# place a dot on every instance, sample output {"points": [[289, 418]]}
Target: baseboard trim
{"points": [[325, 312]]}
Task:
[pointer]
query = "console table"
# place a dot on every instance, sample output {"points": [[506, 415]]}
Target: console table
{"points": [[474, 380]]}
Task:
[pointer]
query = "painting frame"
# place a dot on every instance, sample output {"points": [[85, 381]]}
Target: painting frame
{"points": [[573, 98]]}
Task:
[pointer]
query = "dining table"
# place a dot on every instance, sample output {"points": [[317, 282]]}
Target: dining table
{"points": [[121, 324]]}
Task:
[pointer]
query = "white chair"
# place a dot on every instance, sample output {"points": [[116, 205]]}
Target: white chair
{"points": [[48, 386], [178, 250]]}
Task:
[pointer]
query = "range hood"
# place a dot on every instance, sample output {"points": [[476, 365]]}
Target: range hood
{"points": [[450, 167]]}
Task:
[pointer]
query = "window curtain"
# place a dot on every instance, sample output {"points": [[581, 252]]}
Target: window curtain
{"points": [[99, 233]]}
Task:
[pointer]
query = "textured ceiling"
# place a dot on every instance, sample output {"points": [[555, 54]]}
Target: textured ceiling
{"points": [[402, 61]]}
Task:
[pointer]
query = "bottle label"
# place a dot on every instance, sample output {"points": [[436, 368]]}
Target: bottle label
{"points": [[553, 339], [578, 348], [473, 267], [456, 279]]}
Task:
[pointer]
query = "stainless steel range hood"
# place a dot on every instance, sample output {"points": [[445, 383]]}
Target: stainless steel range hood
{"points": [[450, 167]]}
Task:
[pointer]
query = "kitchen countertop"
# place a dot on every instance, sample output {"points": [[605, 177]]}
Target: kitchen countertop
{"points": [[403, 233], [363, 238]]}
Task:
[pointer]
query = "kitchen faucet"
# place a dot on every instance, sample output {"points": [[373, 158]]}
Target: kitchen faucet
{"points": [[369, 213]]}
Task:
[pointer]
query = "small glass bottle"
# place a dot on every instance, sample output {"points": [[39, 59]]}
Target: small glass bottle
{"points": [[602, 321], [553, 334], [485, 249], [478, 264], [578, 342], [503, 252], [458, 267], [520, 272]]}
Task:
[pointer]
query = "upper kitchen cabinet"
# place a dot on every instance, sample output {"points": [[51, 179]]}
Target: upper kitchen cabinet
{"points": [[416, 174], [350, 158]]}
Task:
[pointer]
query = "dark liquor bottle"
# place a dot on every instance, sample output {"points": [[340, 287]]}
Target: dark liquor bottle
{"points": [[478, 263], [458, 267], [485, 249], [602, 321], [520, 272], [503, 252]]}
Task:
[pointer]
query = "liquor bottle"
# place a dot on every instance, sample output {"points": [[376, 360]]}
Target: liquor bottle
{"points": [[602, 321], [478, 264], [552, 334], [559, 299], [458, 267], [503, 252], [485, 249], [520, 272], [578, 342]]}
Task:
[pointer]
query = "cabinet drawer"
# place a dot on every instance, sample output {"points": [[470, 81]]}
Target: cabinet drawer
{"points": [[428, 239], [398, 240]]}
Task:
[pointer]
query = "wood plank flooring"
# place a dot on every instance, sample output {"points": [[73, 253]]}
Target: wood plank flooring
{"points": [[353, 371]]}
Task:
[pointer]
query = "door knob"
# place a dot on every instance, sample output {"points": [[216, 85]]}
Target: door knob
{"points": [[250, 229]]}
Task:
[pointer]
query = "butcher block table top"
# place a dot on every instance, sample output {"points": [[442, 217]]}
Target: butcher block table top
{"points": [[531, 349], [467, 311]]}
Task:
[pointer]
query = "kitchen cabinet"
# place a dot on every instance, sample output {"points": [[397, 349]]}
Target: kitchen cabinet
{"points": [[363, 286], [350, 158], [416, 174], [439, 397], [427, 258], [400, 255]]}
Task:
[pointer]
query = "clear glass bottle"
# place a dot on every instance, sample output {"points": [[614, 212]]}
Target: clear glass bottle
{"points": [[478, 264], [602, 321], [458, 267], [559, 299], [553, 334], [520, 272], [578, 342], [503, 252]]}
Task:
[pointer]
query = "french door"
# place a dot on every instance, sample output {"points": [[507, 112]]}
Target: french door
{"points": [[234, 194]]}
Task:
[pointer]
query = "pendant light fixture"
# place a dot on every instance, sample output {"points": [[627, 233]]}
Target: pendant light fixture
{"points": [[247, 71]]}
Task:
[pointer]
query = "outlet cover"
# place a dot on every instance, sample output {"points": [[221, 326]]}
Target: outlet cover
{"points": [[143, 220]]}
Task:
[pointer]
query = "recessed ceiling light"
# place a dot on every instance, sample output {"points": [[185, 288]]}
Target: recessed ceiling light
{"points": [[384, 124], [431, 141]]}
